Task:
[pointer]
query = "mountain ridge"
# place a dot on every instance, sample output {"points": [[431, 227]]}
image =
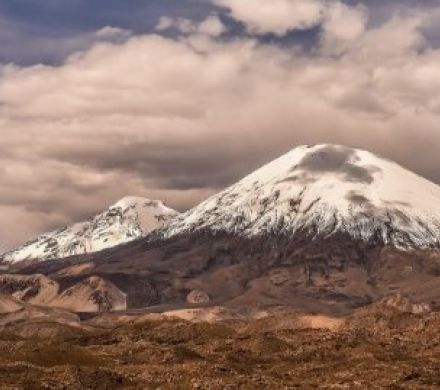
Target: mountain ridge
{"points": [[323, 229], [309, 194], [126, 220], [322, 190]]}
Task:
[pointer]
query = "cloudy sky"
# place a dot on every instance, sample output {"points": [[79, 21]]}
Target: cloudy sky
{"points": [[176, 99]]}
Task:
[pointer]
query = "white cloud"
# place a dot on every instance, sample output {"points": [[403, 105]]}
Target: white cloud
{"points": [[342, 27], [340, 22], [343, 22], [177, 118], [211, 26], [183, 25], [164, 23], [275, 16], [113, 34]]}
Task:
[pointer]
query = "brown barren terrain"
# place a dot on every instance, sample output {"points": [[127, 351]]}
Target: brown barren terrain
{"points": [[375, 348], [235, 314]]}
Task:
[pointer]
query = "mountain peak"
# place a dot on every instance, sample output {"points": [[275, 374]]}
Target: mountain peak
{"points": [[134, 201], [322, 190], [130, 218], [325, 160]]}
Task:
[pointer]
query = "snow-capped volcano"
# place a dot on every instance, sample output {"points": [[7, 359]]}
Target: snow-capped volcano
{"points": [[322, 190], [127, 220]]}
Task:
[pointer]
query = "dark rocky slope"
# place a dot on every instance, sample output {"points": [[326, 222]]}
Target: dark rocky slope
{"points": [[332, 275]]}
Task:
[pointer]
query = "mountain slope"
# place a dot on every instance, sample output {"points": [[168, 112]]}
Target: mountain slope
{"points": [[127, 220], [320, 191], [324, 229]]}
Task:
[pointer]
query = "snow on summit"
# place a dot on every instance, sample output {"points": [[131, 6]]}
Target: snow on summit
{"points": [[320, 190], [317, 190], [127, 220]]}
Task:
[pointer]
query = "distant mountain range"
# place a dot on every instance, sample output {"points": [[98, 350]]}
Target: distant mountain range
{"points": [[323, 228]]}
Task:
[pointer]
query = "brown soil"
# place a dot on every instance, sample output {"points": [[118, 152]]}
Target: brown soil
{"points": [[376, 348]]}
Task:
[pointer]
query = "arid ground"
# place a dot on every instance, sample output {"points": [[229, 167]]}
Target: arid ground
{"points": [[375, 348]]}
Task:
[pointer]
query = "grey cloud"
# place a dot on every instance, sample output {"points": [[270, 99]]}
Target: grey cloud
{"points": [[176, 166], [178, 119]]}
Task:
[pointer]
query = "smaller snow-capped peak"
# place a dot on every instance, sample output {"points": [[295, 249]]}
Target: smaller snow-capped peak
{"points": [[149, 214], [322, 190], [137, 201], [128, 219]]}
